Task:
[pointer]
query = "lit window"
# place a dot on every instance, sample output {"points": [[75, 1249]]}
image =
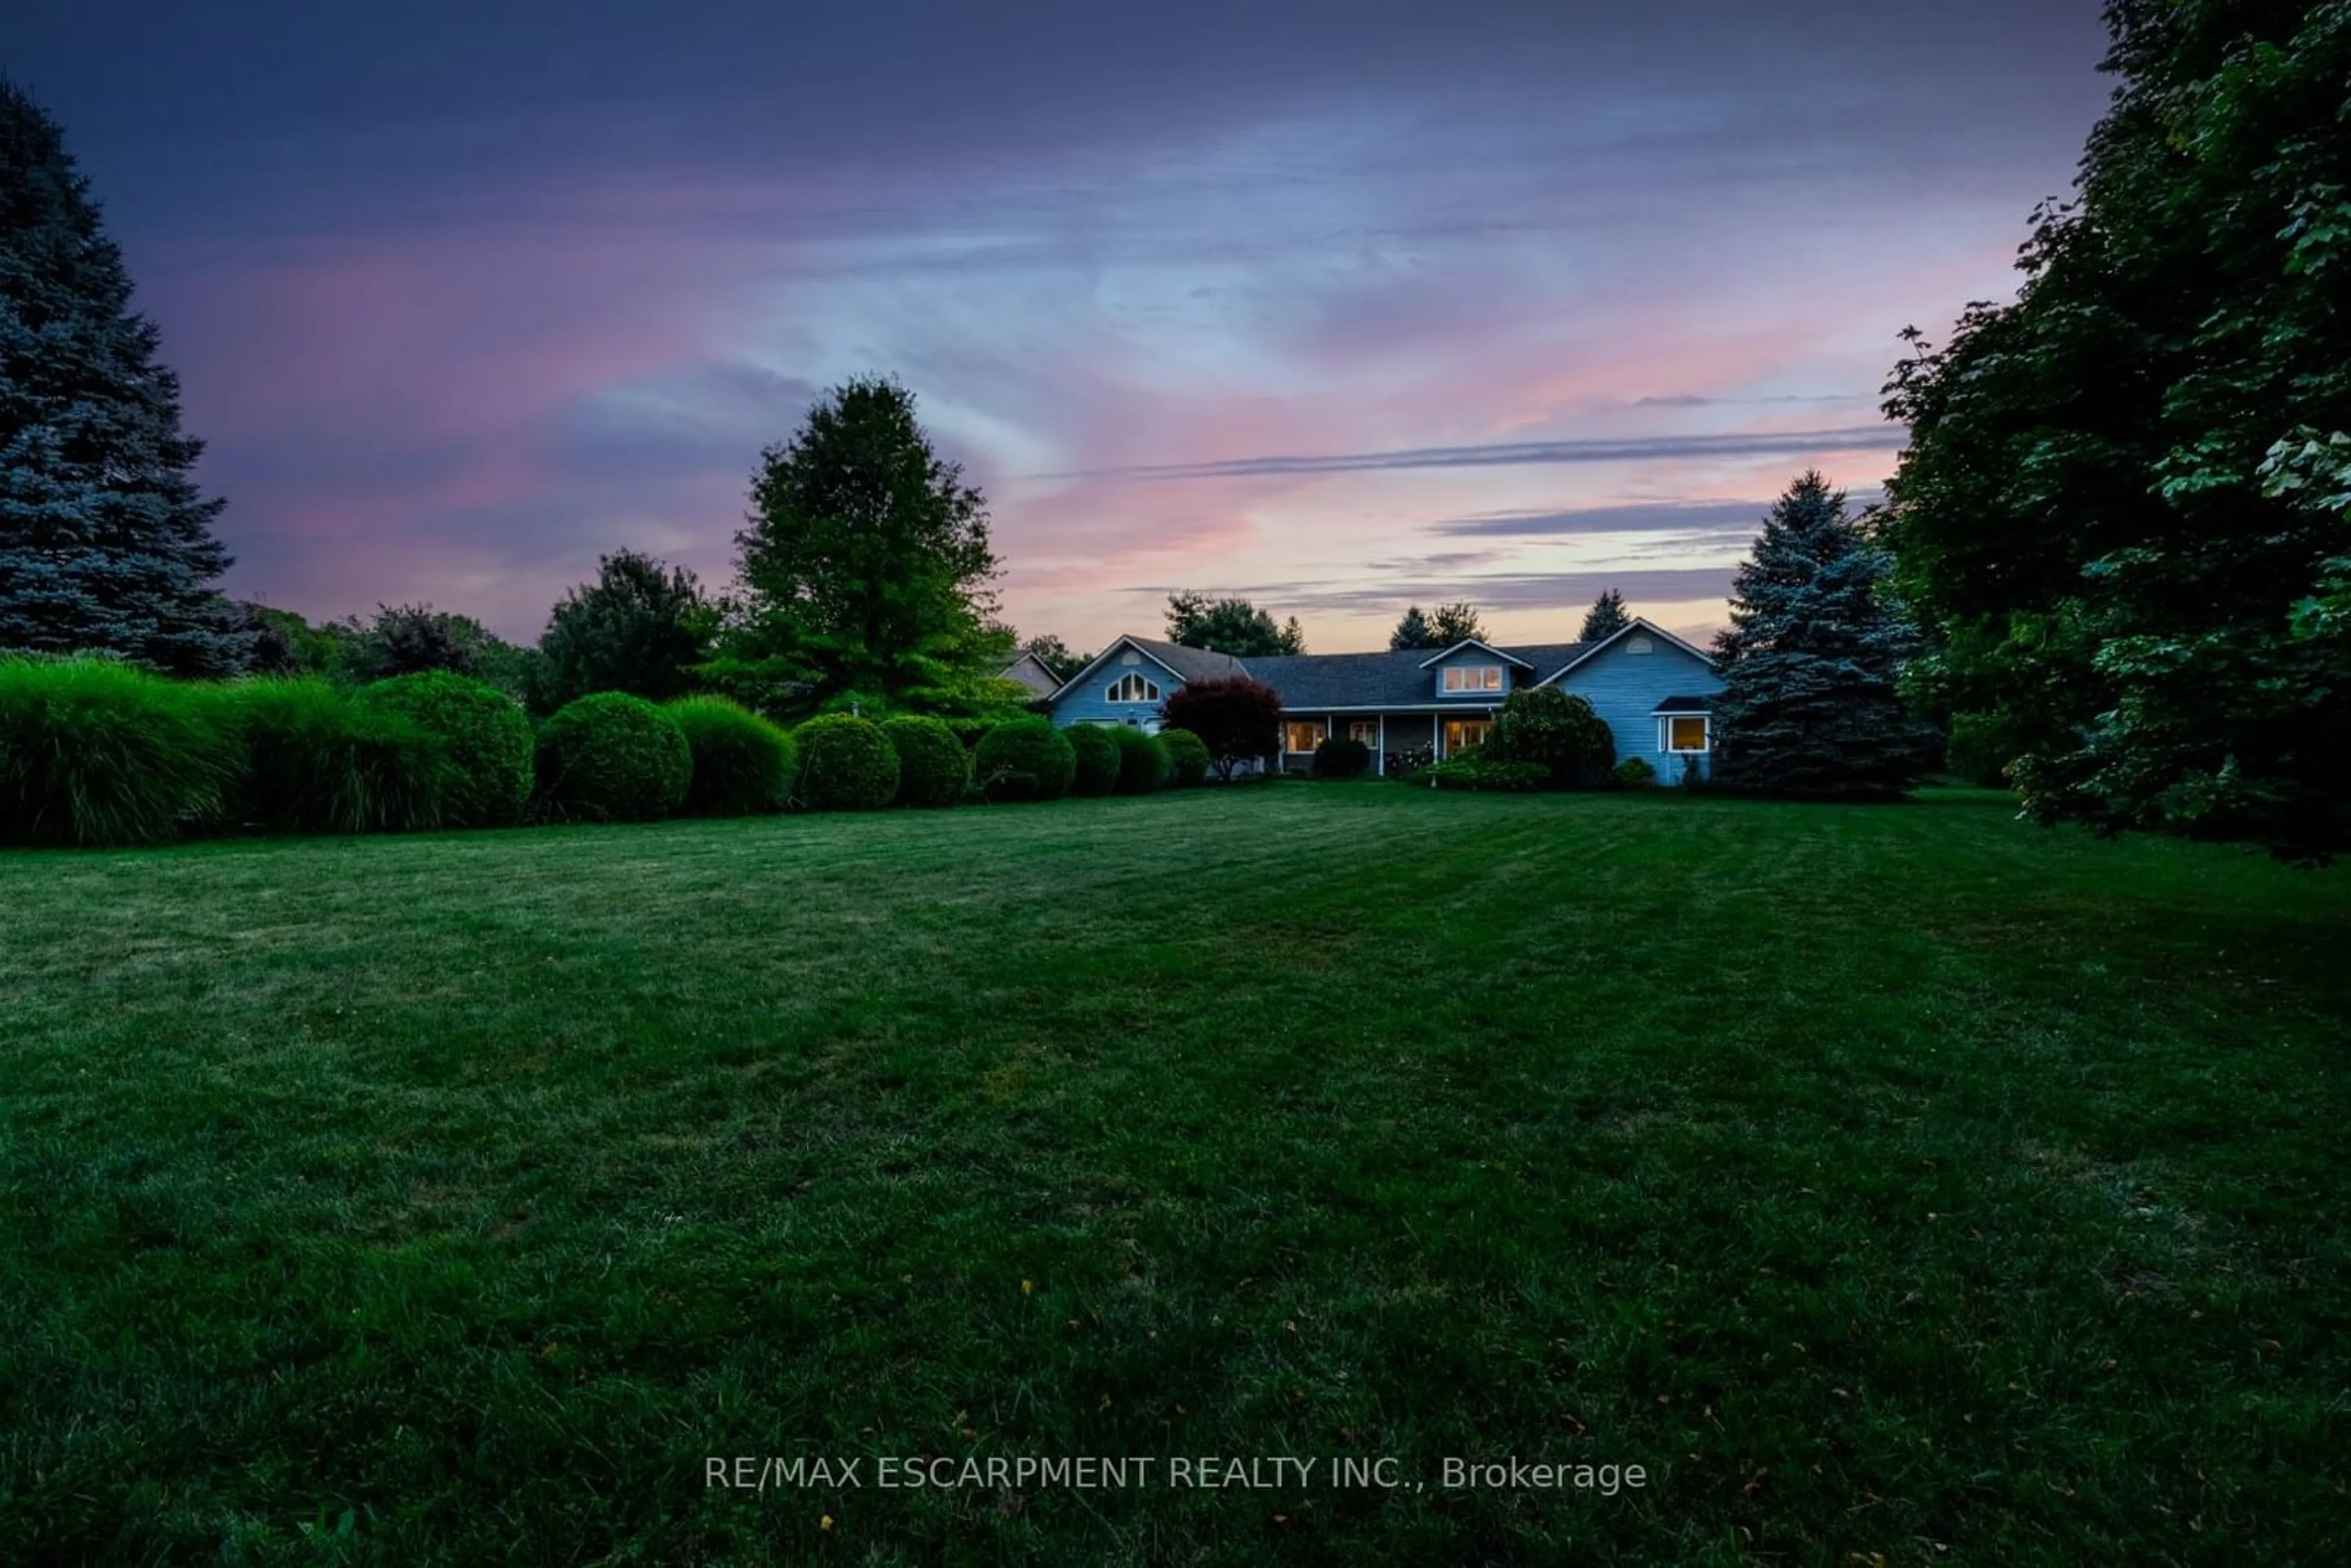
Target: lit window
{"points": [[1301, 737], [1132, 688], [1687, 732], [1462, 732], [1474, 678]]}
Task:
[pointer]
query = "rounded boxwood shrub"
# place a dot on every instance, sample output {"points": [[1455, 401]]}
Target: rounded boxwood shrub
{"points": [[1337, 756], [1097, 755], [1143, 761], [612, 757], [489, 740], [1187, 757], [94, 751], [847, 764], [313, 760], [1025, 760], [743, 765], [1557, 732], [1633, 773], [933, 766]]}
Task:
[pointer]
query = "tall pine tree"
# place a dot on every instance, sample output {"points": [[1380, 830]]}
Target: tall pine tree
{"points": [[1809, 705], [106, 545], [1606, 617], [1413, 631]]}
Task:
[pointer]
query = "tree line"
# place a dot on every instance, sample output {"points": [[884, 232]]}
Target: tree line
{"points": [[2111, 569]]}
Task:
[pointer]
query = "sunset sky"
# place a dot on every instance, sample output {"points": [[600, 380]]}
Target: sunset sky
{"points": [[1335, 305]]}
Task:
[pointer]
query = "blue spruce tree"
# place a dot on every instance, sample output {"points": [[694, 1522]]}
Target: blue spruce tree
{"points": [[1809, 707], [105, 543]]}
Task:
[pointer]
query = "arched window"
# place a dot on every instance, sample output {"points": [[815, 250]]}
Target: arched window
{"points": [[1132, 688]]}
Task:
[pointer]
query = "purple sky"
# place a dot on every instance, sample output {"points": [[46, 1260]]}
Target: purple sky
{"points": [[1334, 303]]}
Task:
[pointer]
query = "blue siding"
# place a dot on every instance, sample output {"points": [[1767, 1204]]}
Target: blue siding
{"points": [[1468, 657], [1624, 689], [1087, 703]]}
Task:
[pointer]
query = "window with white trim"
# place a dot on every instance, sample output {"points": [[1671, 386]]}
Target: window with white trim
{"points": [[1367, 730], [1132, 688], [1473, 678], [1685, 733], [1301, 737]]}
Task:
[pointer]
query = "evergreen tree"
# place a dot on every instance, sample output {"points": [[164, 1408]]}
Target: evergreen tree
{"points": [[105, 543], [1232, 626], [866, 565], [639, 628], [1809, 705], [1457, 622], [1413, 631], [1606, 617]]}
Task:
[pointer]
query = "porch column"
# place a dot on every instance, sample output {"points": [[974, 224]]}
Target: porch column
{"points": [[1380, 762]]}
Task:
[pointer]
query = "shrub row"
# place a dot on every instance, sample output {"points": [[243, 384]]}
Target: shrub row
{"points": [[93, 751]]}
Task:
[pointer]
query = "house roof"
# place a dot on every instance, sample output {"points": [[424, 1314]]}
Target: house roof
{"points": [[1441, 656], [1640, 624], [1185, 664], [1308, 680], [1685, 705]]}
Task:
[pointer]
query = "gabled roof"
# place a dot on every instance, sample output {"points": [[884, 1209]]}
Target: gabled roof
{"points": [[1638, 623], [1310, 680], [1685, 705], [1474, 643], [1184, 664]]}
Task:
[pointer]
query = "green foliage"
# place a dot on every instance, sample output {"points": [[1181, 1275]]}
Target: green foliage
{"points": [[867, 563], [1811, 706], [1635, 773], [1058, 655], [1555, 732], [284, 644], [1144, 763], [2106, 582], [1476, 772], [1025, 760], [612, 757], [312, 758], [1337, 756], [96, 751], [1456, 622], [641, 627], [1236, 719], [488, 738], [1606, 617], [933, 766], [1232, 626], [1413, 630], [106, 544], [847, 764], [743, 765], [1187, 757], [1097, 755]]}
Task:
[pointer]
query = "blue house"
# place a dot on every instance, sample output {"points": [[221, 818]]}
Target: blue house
{"points": [[1655, 692]]}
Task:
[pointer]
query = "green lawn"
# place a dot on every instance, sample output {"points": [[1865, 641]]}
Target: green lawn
{"points": [[1907, 1182]]}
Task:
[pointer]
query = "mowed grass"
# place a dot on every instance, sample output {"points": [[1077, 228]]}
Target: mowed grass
{"points": [[1906, 1182]]}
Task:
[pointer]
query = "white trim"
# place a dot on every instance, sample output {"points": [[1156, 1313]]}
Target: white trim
{"points": [[1456, 705], [1665, 746], [1637, 623], [1064, 688], [1680, 712], [1138, 677], [1478, 642]]}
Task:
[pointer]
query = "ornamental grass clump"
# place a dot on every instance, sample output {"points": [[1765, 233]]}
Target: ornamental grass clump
{"points": [[95, 751]]}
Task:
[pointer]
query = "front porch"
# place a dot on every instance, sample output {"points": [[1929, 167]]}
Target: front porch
{"points": [[1399, 739]]}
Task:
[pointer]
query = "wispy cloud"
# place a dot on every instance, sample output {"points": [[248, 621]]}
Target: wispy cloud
{"points": [[1637, 449], [1631, 516]]}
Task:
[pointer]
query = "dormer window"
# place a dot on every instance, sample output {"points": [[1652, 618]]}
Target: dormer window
{"points": [[1473, 678], [1132, 688]]}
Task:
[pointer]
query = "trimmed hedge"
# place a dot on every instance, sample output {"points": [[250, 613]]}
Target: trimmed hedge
{"points": [[1337, 756], [488, 738], [1097, 755], [1025, 760], [933, 766], [1634, 773], [1187, 757], [743, 765], [1557, 732], [94, 751], [847, 764], [312, 760], [1144, 765], [612, 757]]}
